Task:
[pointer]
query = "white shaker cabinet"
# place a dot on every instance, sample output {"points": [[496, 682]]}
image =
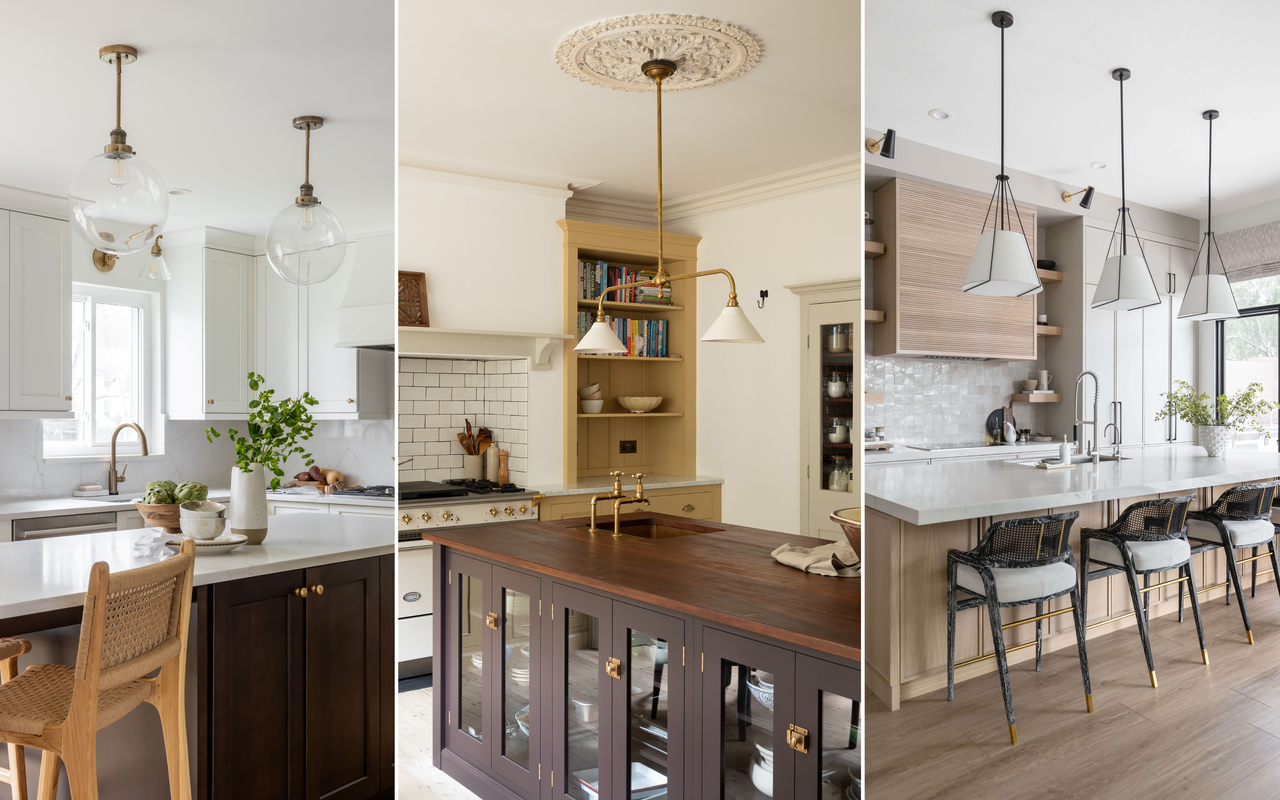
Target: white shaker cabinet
{"points": [[1156, 330], [1099, 358], [39, 308], [209, 327], [1181, 264], [277, 346], [1182, 357]]}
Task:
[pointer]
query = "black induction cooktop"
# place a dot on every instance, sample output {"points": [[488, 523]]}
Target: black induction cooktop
{"points": [[429, 490]]}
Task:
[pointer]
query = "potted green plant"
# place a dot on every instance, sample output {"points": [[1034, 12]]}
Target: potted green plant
{"points": [[1214, 421], [273, 434]]}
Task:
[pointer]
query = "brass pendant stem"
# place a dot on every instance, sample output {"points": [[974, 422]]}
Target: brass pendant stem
{"points": [[662, 279], [661, 271], [118, 69], [306, 169]]}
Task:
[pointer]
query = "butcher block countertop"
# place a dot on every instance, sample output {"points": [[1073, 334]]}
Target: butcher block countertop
{"points": [[727, 576]]}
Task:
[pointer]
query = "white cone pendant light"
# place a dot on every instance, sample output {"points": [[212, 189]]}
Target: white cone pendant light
{"points": [[1126, 283], [1002, 265], [600, 340], [1209, 296], [732, 326], [306, 242]]}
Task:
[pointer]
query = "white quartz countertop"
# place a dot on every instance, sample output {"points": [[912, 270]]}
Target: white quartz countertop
{"points": [[902, 452], [60, 506], [604, 483], [51, 574], [925, 494]]}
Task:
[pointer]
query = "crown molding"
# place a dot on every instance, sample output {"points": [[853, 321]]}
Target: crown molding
{"points": [[425, 166], [38, 203], [841, 171]]}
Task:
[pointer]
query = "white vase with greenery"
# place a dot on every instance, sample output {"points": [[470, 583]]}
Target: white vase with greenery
{"points": [[1216, 421], [272, 436]]}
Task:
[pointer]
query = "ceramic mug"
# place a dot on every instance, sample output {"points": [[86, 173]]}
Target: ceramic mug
{"points": [[1029, 385], [1043, 319], [1045, 377]]}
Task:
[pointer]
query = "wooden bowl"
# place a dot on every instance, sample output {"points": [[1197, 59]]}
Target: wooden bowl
{"points": [[639, 405], [165, 516]]}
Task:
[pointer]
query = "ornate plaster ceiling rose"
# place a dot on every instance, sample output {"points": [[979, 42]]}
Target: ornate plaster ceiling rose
{"points": [[609, 53]]}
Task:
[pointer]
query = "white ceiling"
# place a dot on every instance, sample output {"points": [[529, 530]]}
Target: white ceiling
{"points": [[483, 88], [1062, 104], [209, 101]]}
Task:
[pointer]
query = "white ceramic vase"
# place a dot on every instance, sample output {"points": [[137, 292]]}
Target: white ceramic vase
{"points": [[471, 468], [1214, 439], [248, 510]]}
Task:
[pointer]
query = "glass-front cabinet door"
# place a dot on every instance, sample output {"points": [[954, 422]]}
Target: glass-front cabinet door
{"points": [[518, 709], [466, 722], [582, 713], [832, 399], [828, 724]]}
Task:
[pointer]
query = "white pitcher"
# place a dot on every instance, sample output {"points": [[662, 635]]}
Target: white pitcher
{"points": [[1045, 377]]}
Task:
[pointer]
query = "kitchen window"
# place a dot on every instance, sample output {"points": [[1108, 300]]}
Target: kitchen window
{"points": [[111, 373], [1248, 351]]}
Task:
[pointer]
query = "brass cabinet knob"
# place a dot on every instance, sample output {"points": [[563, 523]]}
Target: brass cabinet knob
{"points": [[406, 519], [349, 400], [68, 397], [687, 507], [614, 668], [211, 401], [318, 589], [511, 512], [446, 516], [493, 512], [491, 620], [426, 517], [301, 592]]}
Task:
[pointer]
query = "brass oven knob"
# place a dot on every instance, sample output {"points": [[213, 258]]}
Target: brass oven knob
{"points": [[426, 517], [406, 519], [524, 509], [511, 512], [493, 512], [446, 516]]}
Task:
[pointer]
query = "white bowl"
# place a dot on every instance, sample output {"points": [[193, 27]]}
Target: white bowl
{"points": [[592, 406], [201, 528], [594, 396], [762, 777], [639, 405], [589, 389], [201, 509]]}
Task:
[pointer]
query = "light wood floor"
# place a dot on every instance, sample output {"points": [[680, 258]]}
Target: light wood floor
{"points": [[1205, 732], [416, 779]]}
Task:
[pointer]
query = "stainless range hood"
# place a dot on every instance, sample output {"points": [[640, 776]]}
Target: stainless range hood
{"points": [[365, 319]]}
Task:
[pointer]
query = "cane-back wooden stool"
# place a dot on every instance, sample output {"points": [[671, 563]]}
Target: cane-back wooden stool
{"points": [[1016, 562], [1240, 519], [1149, 537], [134, 622], [16, 774]]}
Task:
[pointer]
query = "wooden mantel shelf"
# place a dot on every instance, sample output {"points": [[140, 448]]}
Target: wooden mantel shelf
{"points": [[1048, 330], [454, 342], [1049, 275], [871, 316], [872, 249], [1037, 398]]}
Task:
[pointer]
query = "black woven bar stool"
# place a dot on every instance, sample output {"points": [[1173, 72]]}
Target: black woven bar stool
{"points": [[1241, 516], [1149, 537], [1017, 562]]}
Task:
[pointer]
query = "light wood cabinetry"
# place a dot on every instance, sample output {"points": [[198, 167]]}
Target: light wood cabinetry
{"points": [[39, 310], [929, 234], [694, 502], [665, 441]]}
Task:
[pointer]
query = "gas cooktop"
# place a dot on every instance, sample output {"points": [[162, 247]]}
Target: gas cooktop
{"points": [[458, 487]]}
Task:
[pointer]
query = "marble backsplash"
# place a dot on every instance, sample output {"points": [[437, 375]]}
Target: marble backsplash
{"points": [[934, 401]]}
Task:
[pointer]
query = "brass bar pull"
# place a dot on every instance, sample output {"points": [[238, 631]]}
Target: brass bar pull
{"points": [[798, 739], [301, 592], [614, 668], [318, 589], [491, 620]]}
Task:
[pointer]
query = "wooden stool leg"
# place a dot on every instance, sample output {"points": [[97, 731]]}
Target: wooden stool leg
{"points": [[168, 701], [81, 760], [1253, 588], [1039, 611], [50, 766], [1195, 610], [1233, 579], [17, 753], [1078, 618], [1140, 615]]}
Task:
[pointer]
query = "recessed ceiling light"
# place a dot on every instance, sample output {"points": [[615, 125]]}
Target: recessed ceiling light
{"points": [[1099, 165], [179, 191], [939, 113]]}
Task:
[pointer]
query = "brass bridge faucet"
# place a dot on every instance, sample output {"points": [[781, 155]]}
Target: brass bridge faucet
{"points": [[619, 500]]}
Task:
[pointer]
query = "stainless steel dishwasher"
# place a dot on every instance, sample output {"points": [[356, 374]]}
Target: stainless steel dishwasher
{"points": [[66, 525]]}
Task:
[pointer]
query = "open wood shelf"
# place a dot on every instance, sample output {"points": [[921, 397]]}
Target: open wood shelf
{"points": [[629, 415], [633, 358], [1048, 330], [872, 249], [1037, 398], [872, 316], [1049, 275], [616, 306]]}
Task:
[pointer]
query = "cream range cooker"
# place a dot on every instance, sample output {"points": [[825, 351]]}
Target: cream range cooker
{"points": [[425, 505]]}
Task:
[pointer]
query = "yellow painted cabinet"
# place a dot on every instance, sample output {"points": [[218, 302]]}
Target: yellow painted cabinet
{"points": [[694, 502]]}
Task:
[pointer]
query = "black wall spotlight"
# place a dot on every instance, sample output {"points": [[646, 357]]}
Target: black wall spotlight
{"points": [[884, 145], [1085, 201]]}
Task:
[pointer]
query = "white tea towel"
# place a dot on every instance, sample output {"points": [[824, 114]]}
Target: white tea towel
{"points": [[836, 560]]}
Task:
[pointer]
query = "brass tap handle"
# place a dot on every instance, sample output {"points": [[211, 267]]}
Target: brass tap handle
{"points": [[121, 472], [491, 620], [318, 589], [639, 476], [614, 668], [301, 592], [617, 482]]}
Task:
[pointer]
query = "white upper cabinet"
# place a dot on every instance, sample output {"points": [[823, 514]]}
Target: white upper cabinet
{"points": [[1182, 263], [1158, 265], [1155, 369], [277, 346], [38, 372], [209, 333]]}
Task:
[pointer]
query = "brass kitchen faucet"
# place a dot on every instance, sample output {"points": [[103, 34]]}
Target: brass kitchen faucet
{"points": [[619, 500]]}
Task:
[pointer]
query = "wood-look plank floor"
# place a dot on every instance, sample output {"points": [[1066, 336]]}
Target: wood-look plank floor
{"points": [[416, 779], [1205, 732]]}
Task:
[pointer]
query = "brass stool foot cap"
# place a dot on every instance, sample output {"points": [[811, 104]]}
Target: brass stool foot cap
{"points": [[1088, 702], [1013, 734], [1205, 655], [1154, 685], [1250, 635]]}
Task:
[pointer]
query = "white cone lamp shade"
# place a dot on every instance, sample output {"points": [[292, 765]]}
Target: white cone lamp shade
{"points": [[1208, 297], [1126, 285], [156, 269], [1002, 266], [600, 341], [306, 243], [118, 203], [732, 326]]}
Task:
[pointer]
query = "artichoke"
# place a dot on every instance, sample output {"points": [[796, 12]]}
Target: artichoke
{"points": [[190, 491], [158, 495], [168, 486]]}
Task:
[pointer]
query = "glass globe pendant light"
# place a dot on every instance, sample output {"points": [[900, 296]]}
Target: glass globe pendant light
{"points": [[731, 326], [1002, 265], [118, 202], [306, 242], [1126, 283], [1209, 296], [155, 268]]}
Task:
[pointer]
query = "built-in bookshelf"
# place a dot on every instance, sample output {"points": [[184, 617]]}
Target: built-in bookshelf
{"points": [[665, 437]]}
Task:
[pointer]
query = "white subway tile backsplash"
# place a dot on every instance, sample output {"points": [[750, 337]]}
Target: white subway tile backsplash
{"points": [[413, 365], [438, 365], [426, 379], [452, 380]]}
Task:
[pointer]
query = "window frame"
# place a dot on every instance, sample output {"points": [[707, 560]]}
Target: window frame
{"points": [[1220, 348], [146, 363]]}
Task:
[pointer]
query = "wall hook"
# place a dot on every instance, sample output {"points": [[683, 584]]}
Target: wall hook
{"points": [[764, 294]]}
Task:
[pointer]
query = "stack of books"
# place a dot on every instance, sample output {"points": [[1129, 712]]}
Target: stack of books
{"points": [[596, 276], [644, 338]]}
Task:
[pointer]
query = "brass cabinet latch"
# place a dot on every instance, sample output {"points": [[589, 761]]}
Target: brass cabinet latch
{"points": [[798, 738], [614, 667], [491, 620]]}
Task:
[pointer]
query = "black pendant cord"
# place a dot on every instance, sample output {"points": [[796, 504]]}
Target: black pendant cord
{"points": [[1002, 101], [1124, 205], [1208, 224]]}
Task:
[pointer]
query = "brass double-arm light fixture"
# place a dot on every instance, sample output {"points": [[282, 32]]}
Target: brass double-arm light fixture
{"points": [[731, 326]]}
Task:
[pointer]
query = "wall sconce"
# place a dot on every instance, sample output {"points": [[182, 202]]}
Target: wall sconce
{"points": [[1085, 201], [104, 262], [884, 145]]}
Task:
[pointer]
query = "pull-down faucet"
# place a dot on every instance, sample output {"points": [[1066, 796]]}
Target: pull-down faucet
{"points": [[1075, 401]]}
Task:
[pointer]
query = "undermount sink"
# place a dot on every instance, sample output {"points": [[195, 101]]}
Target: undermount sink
{"points": [[119, 498], [1076, 459], [651, 528]]}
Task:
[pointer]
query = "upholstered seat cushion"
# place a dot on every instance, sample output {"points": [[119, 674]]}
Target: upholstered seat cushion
{"points": [[1023, 583], [42, 696], [1244, 533], [1146, 556]]}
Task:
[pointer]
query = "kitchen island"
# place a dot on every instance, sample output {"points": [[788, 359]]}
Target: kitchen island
{"points": [[916, 513], [634, 654], [288, 695]]}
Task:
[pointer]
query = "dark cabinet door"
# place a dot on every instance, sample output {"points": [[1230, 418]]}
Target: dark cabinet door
{"points": [[582, 710], [828, 714], [257, 689], [469, 655], [649, 701], [516, 711], [748, 696], [343, 681]]}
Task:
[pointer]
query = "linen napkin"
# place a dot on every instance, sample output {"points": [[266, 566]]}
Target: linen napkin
{"points": [[836, 560]]}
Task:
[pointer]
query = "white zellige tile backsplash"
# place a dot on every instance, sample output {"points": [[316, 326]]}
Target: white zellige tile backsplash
{"points": [[438, 396]]}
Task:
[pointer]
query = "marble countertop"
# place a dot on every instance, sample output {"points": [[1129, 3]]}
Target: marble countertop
{"points": [[605, 482], [60, 506], [51, 574], [925, 494], [902, 452]]}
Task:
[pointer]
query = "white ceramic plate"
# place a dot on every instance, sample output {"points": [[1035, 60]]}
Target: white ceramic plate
{"points": [[210, 547]]}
